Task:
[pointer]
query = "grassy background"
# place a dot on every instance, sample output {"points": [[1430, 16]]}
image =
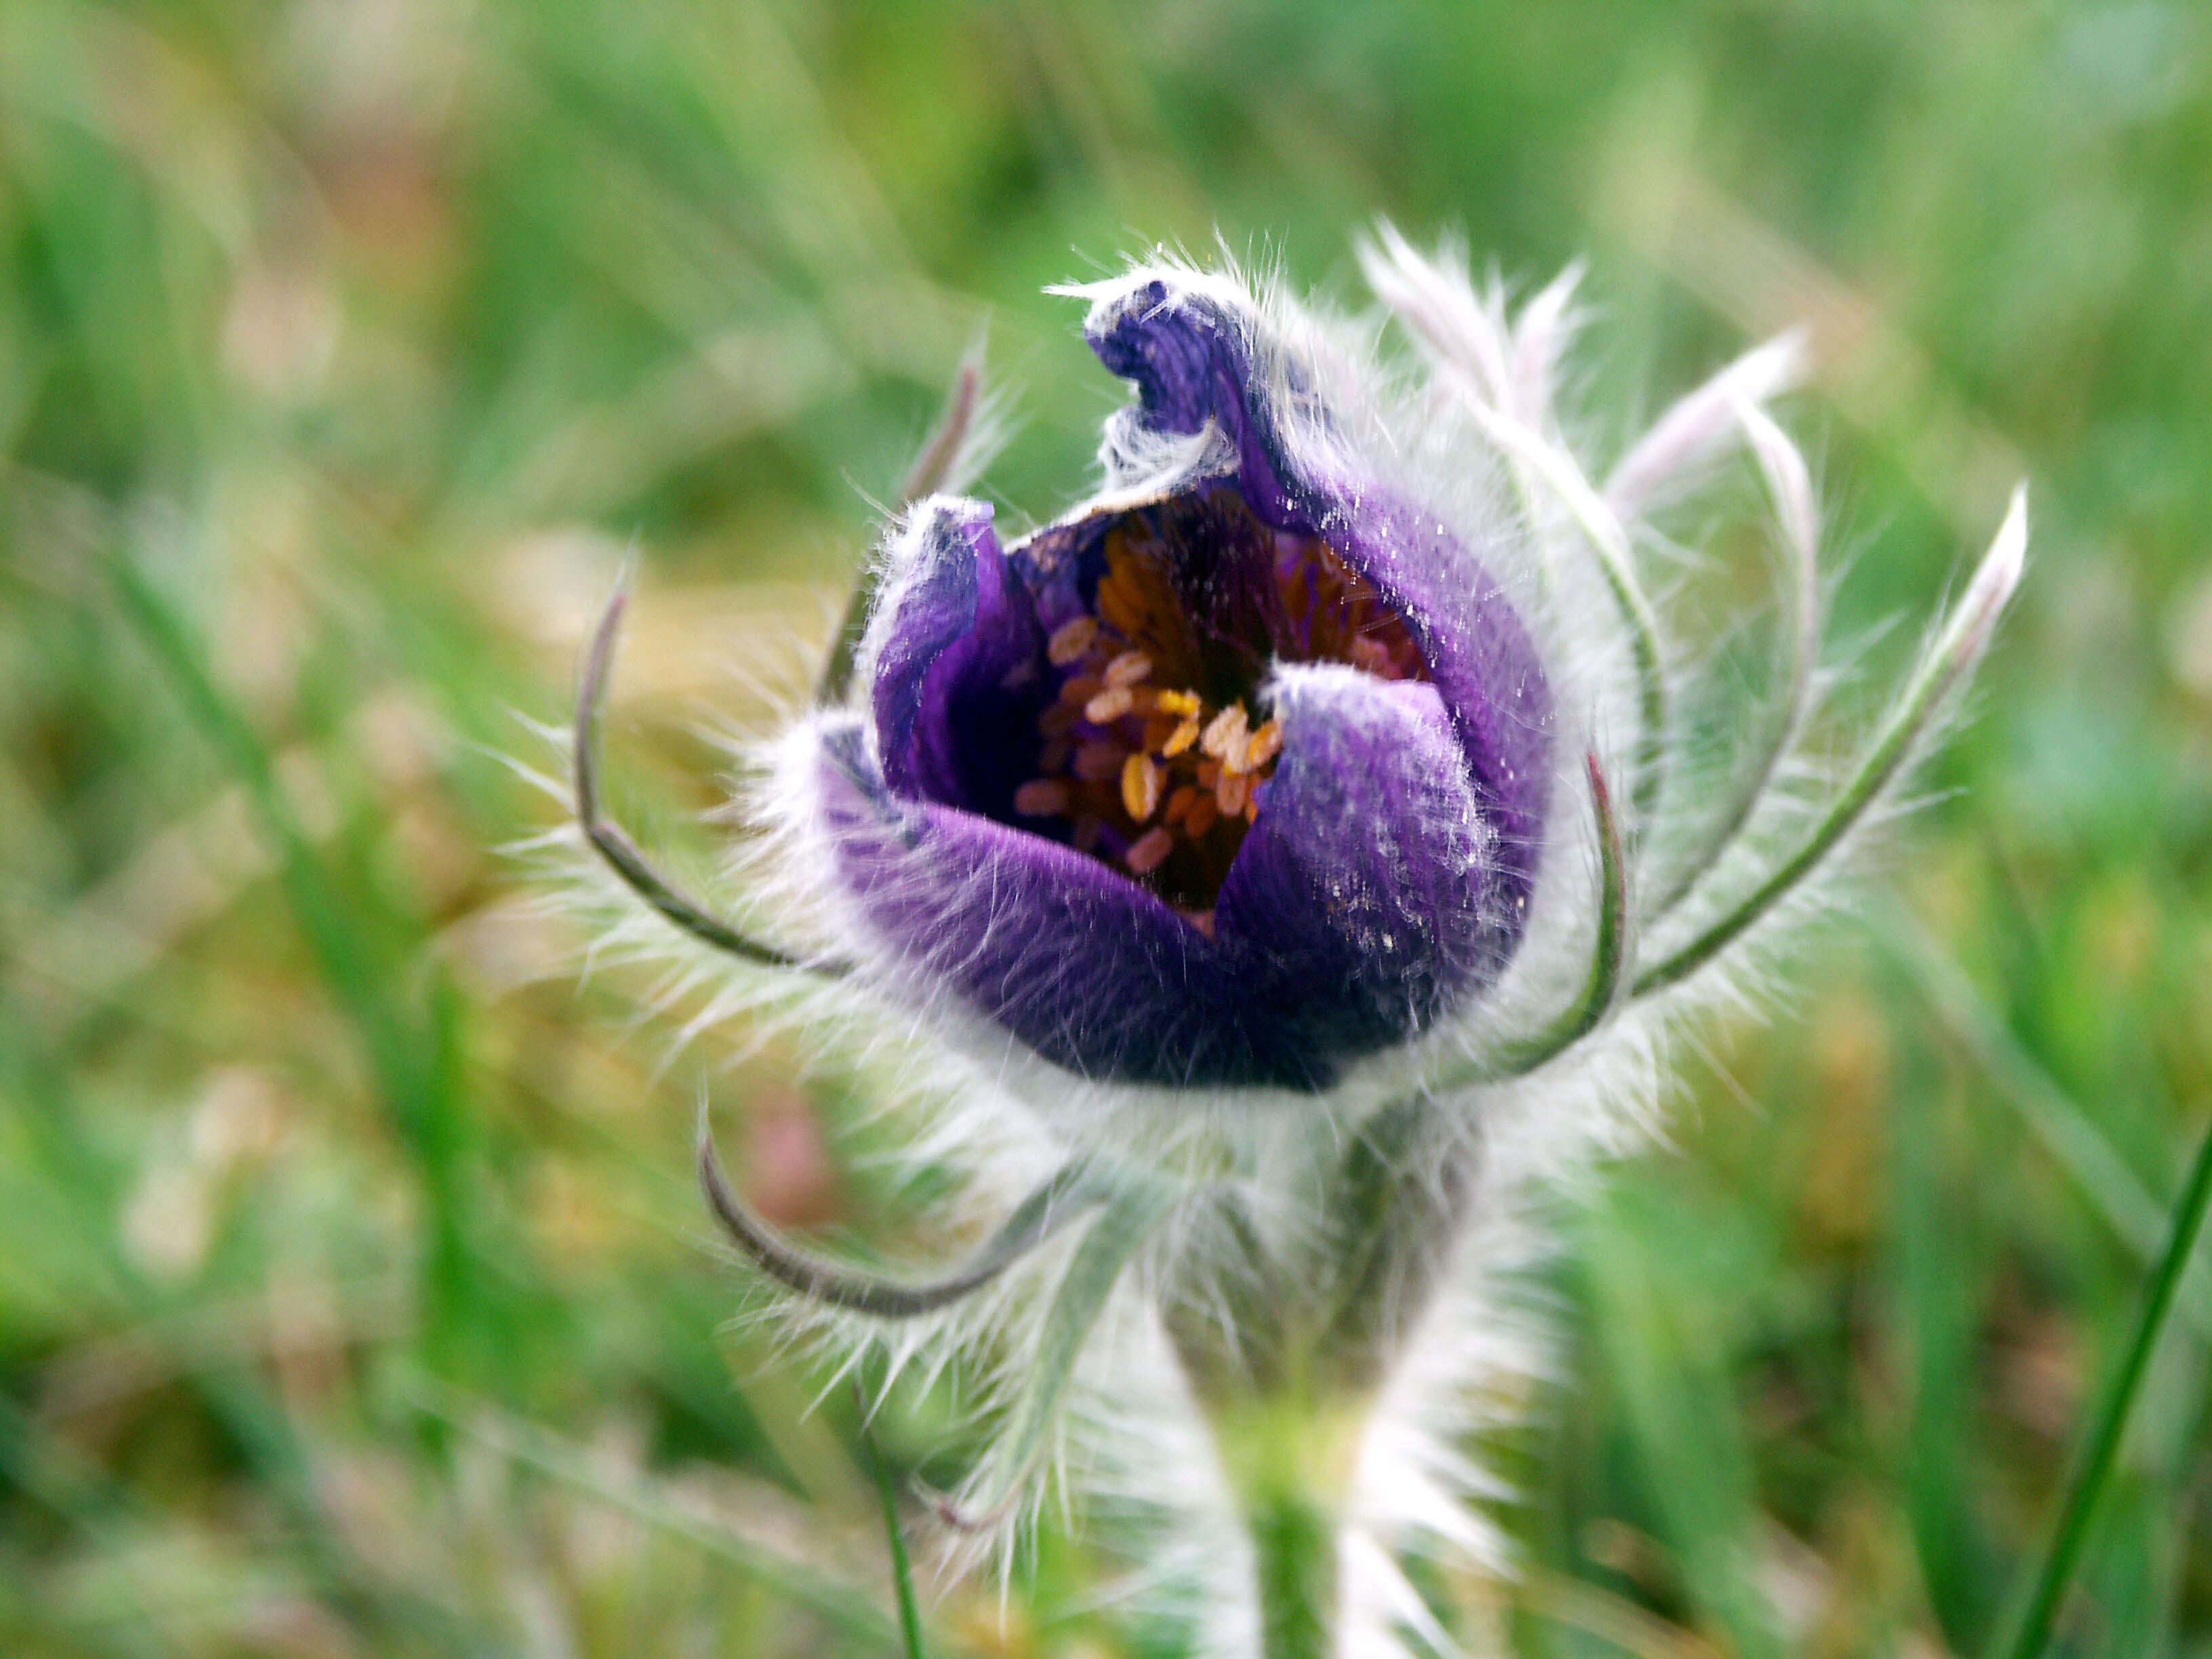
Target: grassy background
{"points": [[351, 1293]]}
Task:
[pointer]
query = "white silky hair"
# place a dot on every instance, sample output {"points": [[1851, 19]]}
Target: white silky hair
{"points": [[1466, 425]]}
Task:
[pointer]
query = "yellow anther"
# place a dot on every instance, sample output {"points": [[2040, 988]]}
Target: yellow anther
{"points": [[1265, 744], [1128, 668], [1149, 851], [1042, 798], [1141, 780], [1184, 703], [1224, 733], [1109, 705], [1096, 761], [1119, 608], [1180, 739], [1071, 640]]}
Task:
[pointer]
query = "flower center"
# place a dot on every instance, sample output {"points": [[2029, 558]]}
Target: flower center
{"points": [[1148, 755]]}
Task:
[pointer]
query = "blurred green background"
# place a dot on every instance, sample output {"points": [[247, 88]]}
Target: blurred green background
{"points": [[352, 1296]]}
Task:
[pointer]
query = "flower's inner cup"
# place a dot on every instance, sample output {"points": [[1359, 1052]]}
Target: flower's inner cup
{"points": [[1150, 756]]}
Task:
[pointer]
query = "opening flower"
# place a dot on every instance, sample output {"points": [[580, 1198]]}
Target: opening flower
{"points": [[1235, 774], [1285, 767]]}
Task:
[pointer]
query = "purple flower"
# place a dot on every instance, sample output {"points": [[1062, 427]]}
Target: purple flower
{"points": [[1236, 773], [1251, 774]]}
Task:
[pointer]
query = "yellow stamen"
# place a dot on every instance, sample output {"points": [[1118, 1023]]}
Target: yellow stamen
{"points": [[1141, 779], [1119, 608], [1185, 704], [1266, 743], [1224, 732], [1149, 851], [1180, 739], [1109, 705], [1097, 761], [1042, 798], [1071, 640], [1128, 668]]}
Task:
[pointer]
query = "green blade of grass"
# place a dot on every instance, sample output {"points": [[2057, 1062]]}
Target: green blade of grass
{"points": [[2032, 1633], [894, 1537]]}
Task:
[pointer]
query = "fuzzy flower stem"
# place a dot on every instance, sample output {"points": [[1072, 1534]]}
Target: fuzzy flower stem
{"points": [[1068, 1194], [622, 855], [930, 469], [1287, 1356], [1294, 1547], [1290, 1460], [1609, 542], [1941, 670]]}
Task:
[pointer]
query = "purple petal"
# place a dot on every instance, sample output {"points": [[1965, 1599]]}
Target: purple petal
{"points": [[957, 655], [1064, 951], [1195, 358], [1370, 881], [1192, 358]]}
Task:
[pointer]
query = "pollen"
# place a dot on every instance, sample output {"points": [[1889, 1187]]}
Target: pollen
{"points": [[1149, 851], [1233, 793], [1070, 641], [1097, 762], [1109, 705], [1142, 778], [1263, 745], [1225, 733], [1127, 669], [1148, 751], [1043, 798]]}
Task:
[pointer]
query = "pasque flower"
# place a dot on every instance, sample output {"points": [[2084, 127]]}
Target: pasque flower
{"points": [[1293, 852], [1236, 773]]}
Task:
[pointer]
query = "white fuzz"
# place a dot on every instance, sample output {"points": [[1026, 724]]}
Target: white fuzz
{"points": [[1715, 873]]}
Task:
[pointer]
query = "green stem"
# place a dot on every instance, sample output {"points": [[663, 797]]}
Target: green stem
{"points": [[1290, 1455], [2073, 1532], [1294, 1549], [909, 1610]]}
